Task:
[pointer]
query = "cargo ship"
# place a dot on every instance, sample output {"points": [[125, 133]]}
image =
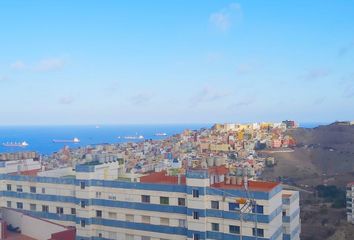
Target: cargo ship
{"points": [[74, 140], [15, 144]]}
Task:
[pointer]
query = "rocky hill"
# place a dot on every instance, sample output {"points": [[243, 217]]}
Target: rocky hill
{"points": [[323, 155]]}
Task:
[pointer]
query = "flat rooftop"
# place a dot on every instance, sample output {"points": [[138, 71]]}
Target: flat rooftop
{"points": [[17, 236], [162, 178], [17, 225], [252, 185], [27, 173], [286, 195]]}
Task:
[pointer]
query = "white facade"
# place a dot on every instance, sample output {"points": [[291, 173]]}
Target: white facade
{"points": [[13, 166], [350, 201], [291, 215], [156, 208]]}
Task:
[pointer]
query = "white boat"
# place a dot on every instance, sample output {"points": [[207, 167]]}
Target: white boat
{"points": [[15, 144], [134, 137], [74, 140], [161, 134]]}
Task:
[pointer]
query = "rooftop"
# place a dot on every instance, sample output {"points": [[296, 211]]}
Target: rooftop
{"points": [[17, 225], [17, 236], [218, 170], [28, 173], [286, 195], [162, 178], [350, 184], [252, 185]]}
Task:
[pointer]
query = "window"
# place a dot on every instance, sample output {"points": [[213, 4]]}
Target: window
{"points": [[33, 189], [145, 198], [195, 215], [82, 185], [45, 208], [181, 202], [215, 204], [33, 207], [73, 211], [83, 204], [19, 188], [112, 197], [195, 193], [215, 227], [164, 221], [164, 200], [129, 217], [257, 209], [145, 219], [112, 215], [196, 236], [8, 187], [234, 206], [98, 194], [234, 229], [83, 223], [99, 213], [19, 205], [284, 213], [43, 190], [258, 232], [112, 235], [8, 204], [60, 210], [129, 237], [145, 238], [182, 223]]}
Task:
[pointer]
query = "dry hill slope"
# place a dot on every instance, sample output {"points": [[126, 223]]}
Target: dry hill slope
{"points": [[323, 155]]}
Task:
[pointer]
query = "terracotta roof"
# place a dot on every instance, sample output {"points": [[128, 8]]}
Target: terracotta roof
{"points": [[286, 195], [162, 178], [28, 173], [220, 170], [252, 185]]}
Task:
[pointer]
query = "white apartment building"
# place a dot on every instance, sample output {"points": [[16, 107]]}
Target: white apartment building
{"points": [[350, 201], [201, 204]]}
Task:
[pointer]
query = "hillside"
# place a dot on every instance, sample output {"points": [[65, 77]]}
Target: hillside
{"points": [[323, 155]]}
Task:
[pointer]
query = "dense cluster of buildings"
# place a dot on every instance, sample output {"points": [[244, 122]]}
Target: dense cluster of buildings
{"points": [[199, 184], [235, 145]]}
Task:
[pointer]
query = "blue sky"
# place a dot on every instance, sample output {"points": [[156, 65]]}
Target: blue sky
{"points": [[113, 62]]}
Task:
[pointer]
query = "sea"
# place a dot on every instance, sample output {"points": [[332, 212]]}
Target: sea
{"points": [[40, 138]]}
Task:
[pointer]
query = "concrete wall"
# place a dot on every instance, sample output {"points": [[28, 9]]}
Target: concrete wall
{"points": [[22, 165], [57, 172]]}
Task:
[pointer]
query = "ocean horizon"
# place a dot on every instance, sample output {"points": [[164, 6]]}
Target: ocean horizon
{"points": [[40, 138]]}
